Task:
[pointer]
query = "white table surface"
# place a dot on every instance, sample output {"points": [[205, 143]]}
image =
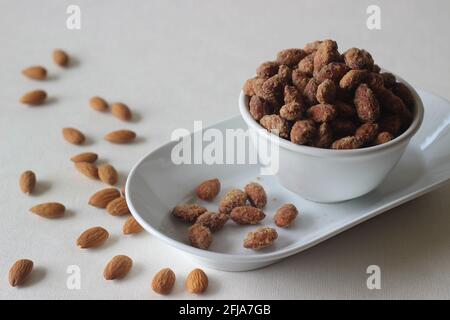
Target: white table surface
{"points": [[174, 62]]}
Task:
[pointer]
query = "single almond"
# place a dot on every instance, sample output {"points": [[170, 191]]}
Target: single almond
{"points": [[20, 271], [34, 98], [60, 57], [98, 104], [27, 181], [196, 281], [163, 281], [73, 135], [90, 170], [108, 174], [118, 207], [35, 72], [85, 157], [131, 226], [121, 111], [118, 267], [101, 198], [121, 136], [49, 210], [92, 237]]}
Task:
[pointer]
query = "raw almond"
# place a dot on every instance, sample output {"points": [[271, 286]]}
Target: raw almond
{"points": [[118, 207], [98, 104], [131, 226], [34, 98], [27, 181], [101, 198], [60, 57], [88, 169], [121, 136], [108, 174], [73, 135], [118, 267], [20, 271], [92, 237], [35, 72], [163, 281], [85, 157], [121, 111], [49, 210], [196, 281]]}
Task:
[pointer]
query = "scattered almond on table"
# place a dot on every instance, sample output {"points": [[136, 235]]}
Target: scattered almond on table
{"points": [[19, 271], [73, 136], [49, 210], [118, 267], [85, 157], [163, 281], [121, 111], [88, 169], [27, 181], [61, 58], [131, 226], [121, 136], [102, 198], [108, 174], [35, 72], [99, 104], [196, 281], [92, 237], [34, 98], [118, 207]]}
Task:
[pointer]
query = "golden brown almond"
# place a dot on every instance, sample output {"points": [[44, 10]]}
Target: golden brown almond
{"points": [[108, 174], [214, 221], [121, 111], [118, 267], [247, 215], [131, 226], [73, 135], [233, 198], [99, 104], [60, 57], [27, 181], [102, 198], [20, 271], [34, 98], [121, 136], [256, 194], [200, 236], [285, 215], [260, 238], [92, 237], [90, 170], [208, 189], [163, 281], [85, 157], [35, 72], [118, 207], [49, 210], [188, 212], [196, 281]]}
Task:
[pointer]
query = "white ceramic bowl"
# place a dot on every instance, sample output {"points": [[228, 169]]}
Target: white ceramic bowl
{"points": [[326, 175]]}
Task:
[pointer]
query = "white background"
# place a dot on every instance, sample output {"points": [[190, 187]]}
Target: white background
{"points": [[174, 62]]}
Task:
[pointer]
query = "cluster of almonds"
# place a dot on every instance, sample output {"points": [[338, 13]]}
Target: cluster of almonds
{"points": [[243, 207], [318, 97]]}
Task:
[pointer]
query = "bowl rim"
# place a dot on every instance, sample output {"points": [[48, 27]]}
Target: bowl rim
{"points": [[418, 114]]}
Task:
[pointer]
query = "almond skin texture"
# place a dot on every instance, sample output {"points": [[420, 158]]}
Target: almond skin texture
{"points": [[85, 157], [163, 281], [49, 210], [256, 195], [118, 207], [102, 198], [90, 170], [99, 104], [27, 181], [35, 72], [285, 215], [108, 174], [131, 226], [20, 271], [61, 58], [92, 237], [121, 111], [34, 98], [233, 198], [188, 212], [200, 236], [73, 136], [261, 238], [118, 267], [247, 215], [196, 281], [121, 136], [208, 189]]}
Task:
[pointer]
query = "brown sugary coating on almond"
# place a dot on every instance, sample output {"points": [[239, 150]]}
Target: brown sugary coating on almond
{"points": [[367, 106], [326, 52], [312, 46], [390, 102], [267, 69], [292, 111], [209, 189], [233, 198], [310, 92], [344, 109], [290, 57], [276, 125], [353, 79], [324, 136], [403, 92], [321, 113], [212, 220], [259, 107], [285, 215], [272, 89], [388, 79], [260, 238], [374, 80], [256, 195], [248, 87], [300, 80], [188, 212], [306, 65], [383, 137], [358, 59], [247, 215], [326, 92], [285, 74], [257, 86], [303, 132], [391, 123], [350, 142], [376, 68], [291, 94], [367, 132], [333, 71], [343, 127], [200, 236]]}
